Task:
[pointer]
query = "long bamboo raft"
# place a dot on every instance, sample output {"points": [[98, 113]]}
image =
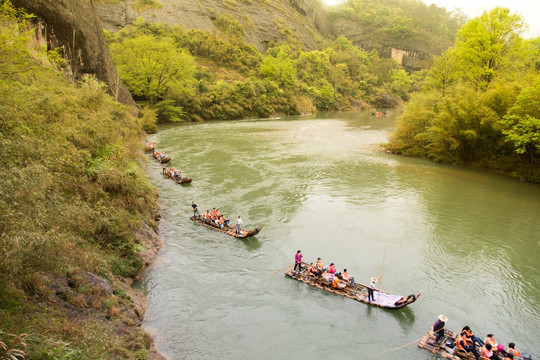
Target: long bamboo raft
{"points": [[447, 348], [356, 292], [229, 230]]}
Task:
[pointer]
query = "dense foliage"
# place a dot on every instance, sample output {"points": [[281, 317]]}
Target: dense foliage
{"points": [[72, 193], [219, 76], [480, 103], [402, 24]]}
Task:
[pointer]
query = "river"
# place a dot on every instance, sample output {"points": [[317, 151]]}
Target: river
{"points": [[467, 240]]}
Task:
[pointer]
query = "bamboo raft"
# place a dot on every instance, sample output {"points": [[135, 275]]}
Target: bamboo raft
{"points": [[164, 160], [447, 348], [356, 292], [428, 343], [183, 179], [229, 230]]}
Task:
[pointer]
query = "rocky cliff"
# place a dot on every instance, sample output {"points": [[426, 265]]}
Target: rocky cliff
{"points": [[75, 25], [263, 20]]}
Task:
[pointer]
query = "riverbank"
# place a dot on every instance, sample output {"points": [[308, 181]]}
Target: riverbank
{"points": [[78, 214], [149, 237]]}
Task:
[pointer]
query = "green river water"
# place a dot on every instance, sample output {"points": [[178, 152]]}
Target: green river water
{"points": [[467, 240]]}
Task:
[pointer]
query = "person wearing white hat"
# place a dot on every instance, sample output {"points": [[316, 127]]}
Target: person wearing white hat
{"points": [[370, 289], [438, 327]]}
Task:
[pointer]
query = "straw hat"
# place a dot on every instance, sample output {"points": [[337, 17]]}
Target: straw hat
{"points": [[443, 318], [374, 279]]}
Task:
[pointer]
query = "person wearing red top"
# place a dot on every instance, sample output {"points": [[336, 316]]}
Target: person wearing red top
{"points": [[332, 268]]}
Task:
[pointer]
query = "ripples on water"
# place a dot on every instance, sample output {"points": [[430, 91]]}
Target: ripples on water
{"points": [[468, 240]]}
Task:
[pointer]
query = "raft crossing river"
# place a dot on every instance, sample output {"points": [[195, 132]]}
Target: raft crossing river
{"points": [[467, 240]]}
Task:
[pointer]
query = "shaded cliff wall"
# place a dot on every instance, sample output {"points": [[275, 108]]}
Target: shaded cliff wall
{"points": [[75, 25], [259, 18]]}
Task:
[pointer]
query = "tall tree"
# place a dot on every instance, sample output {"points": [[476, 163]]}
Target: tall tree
{"points": [[150, 66], [523, 123], [488, 45], [442, 74]]}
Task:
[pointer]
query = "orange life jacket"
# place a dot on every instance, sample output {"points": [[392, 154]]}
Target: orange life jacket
{"points": [[513, 352], [311, 270], [345, 275], [485, 353], [319, 265], [490, 340], [335, 282], [459, 339]]}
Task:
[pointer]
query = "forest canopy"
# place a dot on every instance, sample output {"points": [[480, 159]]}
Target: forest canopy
{"points": [[479, 102], [204, 76]]}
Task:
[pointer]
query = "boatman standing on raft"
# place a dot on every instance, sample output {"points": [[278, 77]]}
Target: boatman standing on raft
{"points": [[195, 210], [370, 289], [239, 223], [438, 327]]}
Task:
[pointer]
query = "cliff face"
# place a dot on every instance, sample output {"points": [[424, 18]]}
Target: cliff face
{"points": [[261, 19], [75, 25]]}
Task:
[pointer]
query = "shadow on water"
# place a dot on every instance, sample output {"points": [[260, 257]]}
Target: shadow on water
{"points": [[251, 243], [405, 317]]}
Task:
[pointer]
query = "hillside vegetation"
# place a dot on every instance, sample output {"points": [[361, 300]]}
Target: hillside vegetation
{"points": [[197, 75], [72, 196], [480, 102]]}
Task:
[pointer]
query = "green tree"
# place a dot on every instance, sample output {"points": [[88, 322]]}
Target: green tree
{"points": [[150, 67], [522, 123], [401, 83], [313, 66], [489, 45], [280, 68], [443, 73]]}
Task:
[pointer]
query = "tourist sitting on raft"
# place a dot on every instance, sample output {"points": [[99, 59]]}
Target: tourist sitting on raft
{"points": [[337, 282], [329, 273], [347, 278], [463, 344], [216, 219], [512, 353], [173, 173], [489, 353], [314, 271], [471, 337], [159, 154], [331, 269], [319, 265], [150, 146]]}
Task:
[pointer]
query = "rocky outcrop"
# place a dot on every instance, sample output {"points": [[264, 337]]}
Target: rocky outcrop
{"points": [[263, 20], [75, 25]]}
